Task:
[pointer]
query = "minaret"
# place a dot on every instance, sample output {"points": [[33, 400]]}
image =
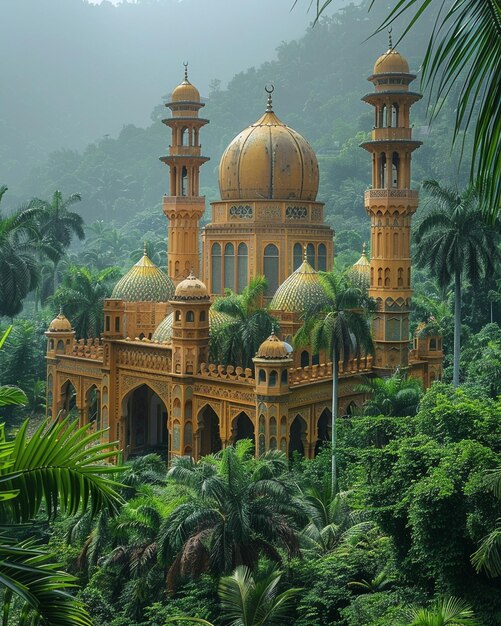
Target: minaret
{"points": [[390, 204], [184, 206]]}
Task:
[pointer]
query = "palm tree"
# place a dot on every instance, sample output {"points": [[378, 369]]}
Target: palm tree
{"points": [[464, 49], [397, 396], [58, 225], [342, 328], [247, 600], [238, 341], [488, 555], [445, 612], [82, 296], [453, 241], [239, 509], [20, 245], [156, 251], [331, 524], [60, 466]]}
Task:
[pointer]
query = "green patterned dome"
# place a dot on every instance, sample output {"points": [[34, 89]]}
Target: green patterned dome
{"points": [[300, 291], [144, 282], [163, 331]]}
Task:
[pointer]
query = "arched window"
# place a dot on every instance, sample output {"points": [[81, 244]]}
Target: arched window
{"points": [[190, 316], [216, 268], [297, 256], [184, 181], [185, 137], [394, 169], [243, 259], [284, 377], [117, 324], [395, 245], [382, 116], [394, 115], [433, 344], [177, 316], [60, 346], [310, 254], [107, 323], [202, 316], [273, 378], [315, 359], [400, 277], [271, 268], [262, 376], [305, 358], [387, 277], [229, 266], [380, 277], [372, 277], [382, 170], [322, 258]]}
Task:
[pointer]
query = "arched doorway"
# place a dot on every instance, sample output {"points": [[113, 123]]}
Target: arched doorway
{"points": [[145, 422], [69, 400], [297, 436], [93, 406], [243, 428], [208, 425], [323, 429]]}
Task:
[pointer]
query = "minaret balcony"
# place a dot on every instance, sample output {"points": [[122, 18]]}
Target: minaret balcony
{"points": [[389, 134], [184, 150], [388, 197]]}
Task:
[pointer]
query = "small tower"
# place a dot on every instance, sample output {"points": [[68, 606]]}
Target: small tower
{"points": [[60, 336], [390, 204], [184, 206], [190, 327], [272, 363]]}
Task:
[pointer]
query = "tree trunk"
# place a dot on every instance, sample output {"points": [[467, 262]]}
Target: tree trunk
{"points": [[457, 326], [54, 285], [335, 380]]}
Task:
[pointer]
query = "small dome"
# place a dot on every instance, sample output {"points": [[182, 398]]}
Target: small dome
{"points": [[268, 160], [273, 348], [360, 271], [144, 282], [60, 323], [163, 331], [299, 291], [391, 62], [191, 288], [185, 92]]}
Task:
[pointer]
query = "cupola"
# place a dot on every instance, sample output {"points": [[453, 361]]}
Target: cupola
{"points": [[268, 161], [144, 282]]}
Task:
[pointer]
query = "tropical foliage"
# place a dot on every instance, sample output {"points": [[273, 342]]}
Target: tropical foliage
{"points": [[237, 341], [398, 395]]}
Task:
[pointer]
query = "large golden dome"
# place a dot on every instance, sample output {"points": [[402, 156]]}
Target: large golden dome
{"points": [[268, 160], [144, 282], [299, 291], [391, 62], [185, 92]]}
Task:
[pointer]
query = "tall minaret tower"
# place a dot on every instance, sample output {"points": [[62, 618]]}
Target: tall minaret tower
{"points": [[184, 206], [390, 204]]}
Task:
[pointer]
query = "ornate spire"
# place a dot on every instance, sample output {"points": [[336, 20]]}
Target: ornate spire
{"points": [[145, 252], [390, 42], [305, 253], [185, 63], [269, 91]]}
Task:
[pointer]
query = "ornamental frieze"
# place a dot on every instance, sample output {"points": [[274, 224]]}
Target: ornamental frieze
{"points": [[223, 392]]}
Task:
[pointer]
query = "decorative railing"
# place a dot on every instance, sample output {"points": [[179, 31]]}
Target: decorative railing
{"points": [[146, 357], [323, 371], [227, 373], [88, 349], [267, 211], [390, 193]]}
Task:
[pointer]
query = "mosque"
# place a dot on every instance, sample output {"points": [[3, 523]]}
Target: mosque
{"points": [[148, 379]]}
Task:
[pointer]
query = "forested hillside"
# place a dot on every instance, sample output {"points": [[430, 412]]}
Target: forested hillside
{"points": [[319, 80]]}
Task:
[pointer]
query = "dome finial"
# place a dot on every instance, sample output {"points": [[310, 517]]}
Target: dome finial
{"points": [[185, 63], [390, 42], [145, 252], [305, 253], [364, 245], [269, 91], [61, 309]]}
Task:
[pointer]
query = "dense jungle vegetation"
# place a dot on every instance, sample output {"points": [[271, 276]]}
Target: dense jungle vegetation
{"points": [[411, 533]]}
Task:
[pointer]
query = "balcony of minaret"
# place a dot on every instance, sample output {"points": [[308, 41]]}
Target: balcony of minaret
{"points": [[391, 134], [191, 151]]}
